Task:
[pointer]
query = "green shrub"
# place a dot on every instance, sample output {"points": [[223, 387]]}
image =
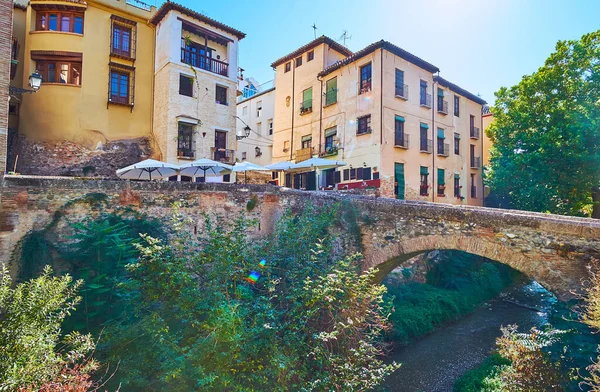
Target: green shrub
{"points": [[485, 378]]}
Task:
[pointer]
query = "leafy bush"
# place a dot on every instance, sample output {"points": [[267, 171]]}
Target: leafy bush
{"points": [[208, 314], [34, 355], [485, 378]]}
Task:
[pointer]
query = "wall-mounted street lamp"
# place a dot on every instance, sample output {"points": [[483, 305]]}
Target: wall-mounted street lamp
{"points": [[35, 81], [244, 132]]}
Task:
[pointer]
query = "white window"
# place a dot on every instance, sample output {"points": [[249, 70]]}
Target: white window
{"points": [[259, 128], [270, 125], [245, 110], [258, 108]]}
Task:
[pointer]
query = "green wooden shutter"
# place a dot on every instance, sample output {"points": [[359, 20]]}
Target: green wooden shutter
{"points": [[307, 95], [441, 175], [399, 179], [424, 170]]}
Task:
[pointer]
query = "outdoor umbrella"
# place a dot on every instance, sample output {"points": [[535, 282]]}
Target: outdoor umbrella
{"points": [[191, 169], [149, 169], [245, 167], [279, 166], [316, 163]]}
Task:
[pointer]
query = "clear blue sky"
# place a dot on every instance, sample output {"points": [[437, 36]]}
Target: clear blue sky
{"points": [[480, 45]]}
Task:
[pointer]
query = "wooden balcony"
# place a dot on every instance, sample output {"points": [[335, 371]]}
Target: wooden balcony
{"points": [[203, 62], [304, 154]]}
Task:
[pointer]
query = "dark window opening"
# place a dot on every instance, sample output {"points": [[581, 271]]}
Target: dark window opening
{"points": [[185, 136], [365, 78], [456, 106], [364, 125], [298, 61], [288, 67], [186, 85], [457, 187], [457, 144], [311, 55], [119, 87], [221, 95], [121, 40]]}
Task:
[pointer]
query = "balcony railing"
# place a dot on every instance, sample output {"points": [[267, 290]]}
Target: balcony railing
{"points": [[444, 150], [203, 62], [330, 97], [139, 4], [222, 155], [475, 162], [402, 92], [474, 133], [426, 100], [306, 107], [427, 146], [330, 151], [402, 142], [442, 106], [304, 154]]}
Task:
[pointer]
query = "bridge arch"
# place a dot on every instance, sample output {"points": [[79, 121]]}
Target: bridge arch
{"points": [[561, 274]]}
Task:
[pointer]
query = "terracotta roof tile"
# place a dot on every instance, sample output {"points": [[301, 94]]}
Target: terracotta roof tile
{"points": [[169, 5], [443, 82], [322, 39]]}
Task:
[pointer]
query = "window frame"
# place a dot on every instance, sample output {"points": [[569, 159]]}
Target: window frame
{"points": [[367, 122], [287, 67], [456, 105], [399, 132], [118, 99], [298, 61], [365, 85], [310, 56], [223, 90], [119, 51], [59, 15], [329, 91], [456, 143], [191, 85], [42, 67], [180, 140], [270, 126]]}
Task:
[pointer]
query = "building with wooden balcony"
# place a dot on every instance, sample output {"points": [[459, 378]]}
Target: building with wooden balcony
{"points": [[385, 112], [195, 71], [96, 61]]}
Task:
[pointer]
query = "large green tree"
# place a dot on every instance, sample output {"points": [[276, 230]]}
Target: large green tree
{"points": [[546, 135]]}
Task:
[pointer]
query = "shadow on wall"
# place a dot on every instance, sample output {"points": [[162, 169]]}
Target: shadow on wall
{"points": [[75, 160]]}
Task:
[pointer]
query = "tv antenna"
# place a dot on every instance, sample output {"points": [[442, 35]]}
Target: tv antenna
{"points": [[314, 27], [345, 37]]}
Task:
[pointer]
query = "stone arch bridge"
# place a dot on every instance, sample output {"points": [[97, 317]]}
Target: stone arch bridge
{"points": [[554, 250]]}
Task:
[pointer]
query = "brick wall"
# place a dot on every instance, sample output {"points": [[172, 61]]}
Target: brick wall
{"points": [[6, 11]]}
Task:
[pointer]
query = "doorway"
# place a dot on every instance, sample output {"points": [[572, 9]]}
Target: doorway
{"points": [[399, 180]]}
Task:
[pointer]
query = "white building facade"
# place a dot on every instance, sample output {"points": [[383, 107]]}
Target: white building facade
{"points": [[255, 119], [196, 64]]}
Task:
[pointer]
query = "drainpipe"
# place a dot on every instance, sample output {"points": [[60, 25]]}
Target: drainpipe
{"points": [[293, 64], [320, 115], [433, 187], [381, 102]]}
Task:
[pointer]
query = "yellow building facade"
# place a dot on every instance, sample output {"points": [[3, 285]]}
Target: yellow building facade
{"points": [[387, 114], [96, 59]]}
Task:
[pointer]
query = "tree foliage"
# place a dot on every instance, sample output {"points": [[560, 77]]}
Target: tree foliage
{"points": [[546, 134], [199, 320], [34, 355]]}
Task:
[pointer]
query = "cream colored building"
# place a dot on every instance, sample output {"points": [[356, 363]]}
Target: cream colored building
{"points": [[256, 111], [196, 64], [387, 114], [488, 117]]}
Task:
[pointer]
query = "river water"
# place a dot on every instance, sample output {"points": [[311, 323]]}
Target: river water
{"points": [[435, 362]]}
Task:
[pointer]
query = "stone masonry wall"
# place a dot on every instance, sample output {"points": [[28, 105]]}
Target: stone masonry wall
{"points": [[72, 159], [554, 250], [6, 12]]}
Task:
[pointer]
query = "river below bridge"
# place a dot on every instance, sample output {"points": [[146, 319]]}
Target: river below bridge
{"points": [[435, 362]]}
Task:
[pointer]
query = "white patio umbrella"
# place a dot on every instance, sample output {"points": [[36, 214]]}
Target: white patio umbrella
{"points": [[193, 168], [316, 163], [149, 169], [245, 167], [279, 166]]}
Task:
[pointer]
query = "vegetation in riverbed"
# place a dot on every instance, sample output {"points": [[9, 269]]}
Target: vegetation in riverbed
{"points": [[485, 378], [456, 284]]}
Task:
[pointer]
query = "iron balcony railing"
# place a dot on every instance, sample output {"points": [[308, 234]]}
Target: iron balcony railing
{"points": [[402, 91], [203, 62], [139, 4], [442, 106], [223, 155], [306, 106], [330, 150], [475, 134], [475, 162], [425, 100], [401, 141], [426, 146], [443, 149]]}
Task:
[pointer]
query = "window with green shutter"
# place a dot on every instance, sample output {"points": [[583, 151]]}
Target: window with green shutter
{"points": [[306, 106], [331, 91], [424, 187], [441, 182]]}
